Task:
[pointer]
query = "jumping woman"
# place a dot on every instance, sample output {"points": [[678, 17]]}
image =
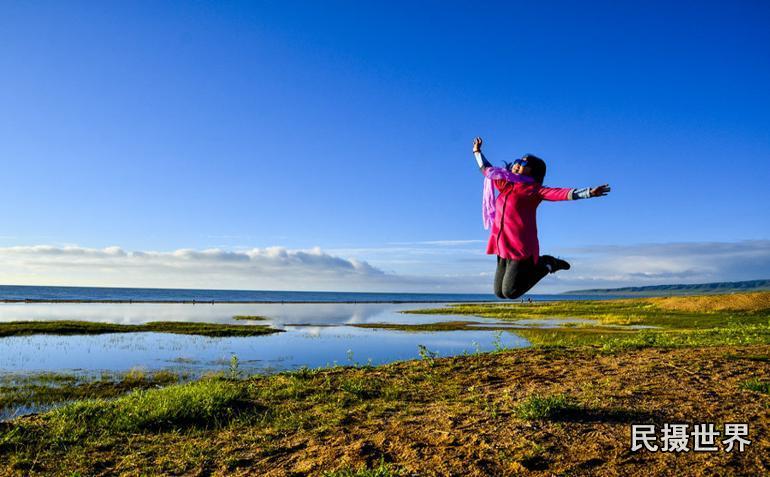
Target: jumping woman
{"points": [[512, 217]]}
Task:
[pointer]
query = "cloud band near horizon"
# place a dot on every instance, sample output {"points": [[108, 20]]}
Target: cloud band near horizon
{"points": [[463, 269]]}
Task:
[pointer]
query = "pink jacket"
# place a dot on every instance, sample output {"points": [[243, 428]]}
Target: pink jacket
{"points": [[514, 231]]}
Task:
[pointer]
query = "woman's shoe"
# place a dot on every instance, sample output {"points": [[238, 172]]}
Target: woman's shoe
{"points": [[556, 264]]}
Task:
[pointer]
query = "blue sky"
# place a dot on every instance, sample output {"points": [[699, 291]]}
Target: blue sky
{"points": [[334, 138]]}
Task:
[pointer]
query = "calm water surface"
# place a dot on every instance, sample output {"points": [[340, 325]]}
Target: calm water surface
{"points": [[315, 335]]}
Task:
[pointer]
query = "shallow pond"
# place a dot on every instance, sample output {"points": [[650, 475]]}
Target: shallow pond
{"points": [[315, 335]]}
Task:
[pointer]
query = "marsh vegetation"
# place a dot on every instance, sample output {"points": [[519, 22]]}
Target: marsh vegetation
{"points": [[65, 327], [739, 319], [563, 406]]}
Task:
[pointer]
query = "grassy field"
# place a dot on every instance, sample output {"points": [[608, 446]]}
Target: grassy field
{"points": [[739, 319], [62, 327], [671, 312], [563, 407]]}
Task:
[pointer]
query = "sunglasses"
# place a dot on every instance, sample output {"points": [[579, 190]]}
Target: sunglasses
{"points": [[521, 162]]}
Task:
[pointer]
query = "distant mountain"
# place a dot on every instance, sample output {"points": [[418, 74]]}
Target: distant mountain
{"points": [[688, 289]]}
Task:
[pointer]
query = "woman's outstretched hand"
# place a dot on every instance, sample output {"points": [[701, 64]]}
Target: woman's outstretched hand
{"points": [[600, 191], [477, 144]]}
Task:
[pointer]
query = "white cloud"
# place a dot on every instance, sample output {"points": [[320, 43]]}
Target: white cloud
{"points": [[605, 266], [272, 268], [422, 268]]}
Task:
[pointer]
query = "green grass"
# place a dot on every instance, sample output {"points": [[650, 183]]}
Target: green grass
{"points": [[250, 317], [383, 469], [731, 335], [439, 326], [539, 406], [610, 312], [26, 328], [757, 385], [613, 340], [207, 403], [361, 388], [687, 321]]}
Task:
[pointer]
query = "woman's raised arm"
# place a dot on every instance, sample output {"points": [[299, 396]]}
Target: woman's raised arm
{"points": [[480, 159], [561, 193]]}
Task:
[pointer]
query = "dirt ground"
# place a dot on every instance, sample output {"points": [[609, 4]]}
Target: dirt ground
{"points": [[465, 439]]}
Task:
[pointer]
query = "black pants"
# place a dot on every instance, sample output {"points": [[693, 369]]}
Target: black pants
{"points": [[515, 277]]}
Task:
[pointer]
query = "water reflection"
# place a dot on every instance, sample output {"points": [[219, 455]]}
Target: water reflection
{"points": [[322, 340], [278, 314]]}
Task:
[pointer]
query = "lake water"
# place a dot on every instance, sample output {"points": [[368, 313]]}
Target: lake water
{"points": [[16, 292], [315, 335], [46, 293]]}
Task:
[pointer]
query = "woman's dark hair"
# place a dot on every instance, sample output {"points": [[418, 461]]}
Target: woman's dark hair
{"points": [[536, 165]]}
